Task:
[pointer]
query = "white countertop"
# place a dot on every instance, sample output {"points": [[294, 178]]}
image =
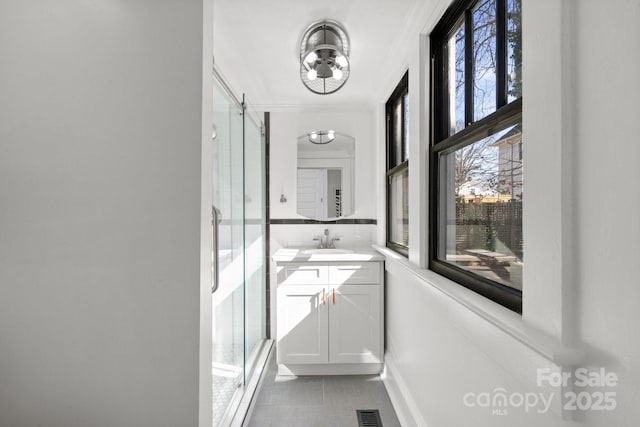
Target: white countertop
{"points": [[303, 255]]}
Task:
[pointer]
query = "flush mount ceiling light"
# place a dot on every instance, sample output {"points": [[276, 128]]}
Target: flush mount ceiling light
{"points": [[322, 136], [324, 57]]}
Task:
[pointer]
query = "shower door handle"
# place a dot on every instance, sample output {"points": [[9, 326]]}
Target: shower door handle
{"points": [[216, 217]]}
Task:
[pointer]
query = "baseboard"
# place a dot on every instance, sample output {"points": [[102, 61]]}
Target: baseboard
{"points": [[331, 369], [401, 399]]}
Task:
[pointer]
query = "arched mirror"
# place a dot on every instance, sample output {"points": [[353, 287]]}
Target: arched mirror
{"points": [[325, 175]]}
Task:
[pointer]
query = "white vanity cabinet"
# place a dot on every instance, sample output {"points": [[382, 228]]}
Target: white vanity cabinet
{"points": [[329, 317]]}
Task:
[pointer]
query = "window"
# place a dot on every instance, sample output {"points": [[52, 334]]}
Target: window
{"points": [[397, 128], [476, 179]]}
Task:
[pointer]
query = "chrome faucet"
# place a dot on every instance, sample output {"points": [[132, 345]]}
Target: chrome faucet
{"points": [[324, 241]]}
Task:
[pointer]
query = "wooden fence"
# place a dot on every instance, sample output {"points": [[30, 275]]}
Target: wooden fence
{"points": [[492, 226]]}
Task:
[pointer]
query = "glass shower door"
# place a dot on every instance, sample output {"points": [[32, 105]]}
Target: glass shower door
{"points": [[255, 231], [239, 302], [228, 299]]}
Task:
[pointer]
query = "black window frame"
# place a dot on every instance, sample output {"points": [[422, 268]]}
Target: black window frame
{"points": [[442, 143], [393, 165]]}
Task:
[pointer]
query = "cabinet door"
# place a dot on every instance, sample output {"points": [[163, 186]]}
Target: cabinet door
{"points": [[354, 324], [302, 324]]}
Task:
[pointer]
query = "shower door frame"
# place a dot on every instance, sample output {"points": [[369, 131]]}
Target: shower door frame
{"points": [[253, 192]]}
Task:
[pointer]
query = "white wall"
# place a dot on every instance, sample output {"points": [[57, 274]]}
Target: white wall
{"points": [[438, 350], [607, 202], [581, 233], [205, 417], [100, 155]]}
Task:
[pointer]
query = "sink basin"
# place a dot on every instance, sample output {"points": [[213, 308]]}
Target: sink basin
{"points": [[326, 251]]}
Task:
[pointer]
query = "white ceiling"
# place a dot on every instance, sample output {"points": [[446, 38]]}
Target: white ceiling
{"points": [[257, 42]]}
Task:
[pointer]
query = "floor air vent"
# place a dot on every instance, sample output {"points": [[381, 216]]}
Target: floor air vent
{"points": [[369, 418]]}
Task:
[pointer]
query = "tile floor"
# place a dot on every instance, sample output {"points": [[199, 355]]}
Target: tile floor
{"points": [[318, 401]]}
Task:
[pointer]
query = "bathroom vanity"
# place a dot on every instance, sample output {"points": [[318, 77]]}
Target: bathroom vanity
{"points": [[329, 311]]}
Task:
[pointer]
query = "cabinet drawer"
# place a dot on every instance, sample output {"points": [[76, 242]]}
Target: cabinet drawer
{"points": [[358, 273], [303, 274]]}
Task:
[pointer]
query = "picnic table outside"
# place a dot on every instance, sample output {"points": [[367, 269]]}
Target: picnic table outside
{"points": [[496, 261]]}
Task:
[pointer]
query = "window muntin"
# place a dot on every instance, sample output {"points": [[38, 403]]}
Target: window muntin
{"points": [[476, 181], [397, 119]]}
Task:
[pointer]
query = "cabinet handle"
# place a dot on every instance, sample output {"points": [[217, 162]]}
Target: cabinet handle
{"points": [[333, 296], [324, 297]]}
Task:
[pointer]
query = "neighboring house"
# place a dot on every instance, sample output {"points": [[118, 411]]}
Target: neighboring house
{"points": [[510, 163], [475, 188], [474, 191]]}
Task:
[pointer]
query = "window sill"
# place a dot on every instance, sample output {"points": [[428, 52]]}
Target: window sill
{"points": [[502, 318], [397, 249]]}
